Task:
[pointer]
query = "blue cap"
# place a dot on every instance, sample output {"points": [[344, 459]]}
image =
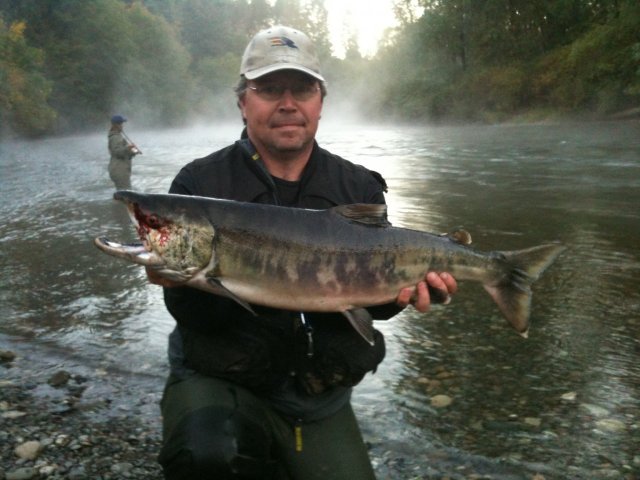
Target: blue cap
{"points": [[118, 119]]}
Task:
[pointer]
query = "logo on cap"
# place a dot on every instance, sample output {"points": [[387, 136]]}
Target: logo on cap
{"points": [[282, 42]]}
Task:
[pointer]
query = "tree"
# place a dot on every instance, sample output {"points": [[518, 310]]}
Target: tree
{"points": [[155, 81], [24, 90]]}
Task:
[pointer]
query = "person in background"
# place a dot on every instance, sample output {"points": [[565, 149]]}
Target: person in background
{"points": [[268, 396], [122, 151]]}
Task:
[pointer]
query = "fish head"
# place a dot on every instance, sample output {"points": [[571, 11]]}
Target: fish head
{"points": [[175, 232]]}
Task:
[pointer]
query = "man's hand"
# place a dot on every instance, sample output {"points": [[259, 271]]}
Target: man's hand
{"points": [[419, 295], [157, 279]]}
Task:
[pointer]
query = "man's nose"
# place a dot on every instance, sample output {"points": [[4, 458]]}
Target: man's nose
{"points": [[287, 100]]}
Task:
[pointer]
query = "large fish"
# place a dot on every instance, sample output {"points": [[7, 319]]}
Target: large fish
{"points": [[337, 260]]}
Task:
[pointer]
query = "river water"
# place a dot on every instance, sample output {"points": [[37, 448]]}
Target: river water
{"points": [[564, 403]]}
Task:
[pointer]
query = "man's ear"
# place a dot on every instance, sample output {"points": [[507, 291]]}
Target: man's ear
{"points": [[240, 104]]}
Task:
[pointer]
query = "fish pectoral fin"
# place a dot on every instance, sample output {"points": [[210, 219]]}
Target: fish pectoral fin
{"points": [[367, 213], [361, 320], [217, 288]]}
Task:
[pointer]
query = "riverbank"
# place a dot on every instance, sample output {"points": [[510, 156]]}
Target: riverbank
{"points": [[62, 419]]}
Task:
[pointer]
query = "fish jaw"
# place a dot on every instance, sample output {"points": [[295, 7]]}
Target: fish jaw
{"points": [[180, 245], [134, 252]]}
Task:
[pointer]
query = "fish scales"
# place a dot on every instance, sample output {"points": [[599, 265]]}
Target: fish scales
{"points": [[341, 259]]}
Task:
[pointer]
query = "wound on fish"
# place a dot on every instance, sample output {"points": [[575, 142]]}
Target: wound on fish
{"points": [[148, 222]]}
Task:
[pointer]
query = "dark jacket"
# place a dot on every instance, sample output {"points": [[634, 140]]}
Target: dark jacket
{"points": [[220, 337]]}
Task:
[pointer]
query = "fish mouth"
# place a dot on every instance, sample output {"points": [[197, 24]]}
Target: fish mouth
{"points": [[136, 252]]}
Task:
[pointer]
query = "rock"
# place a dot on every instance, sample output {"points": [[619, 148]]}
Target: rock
{"points": [[121, 468], [569, 396], [441, 401], [59, 379], [77, 473], [25, 473], [62, 440], [611, 425], [595, 410], [7, 356], [11, 414], [47, 470], [532, 421], [28, 450]]}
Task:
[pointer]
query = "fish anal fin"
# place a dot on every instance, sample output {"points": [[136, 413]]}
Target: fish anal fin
{"points": [[360, 319], [216, 287], [366, 213]]}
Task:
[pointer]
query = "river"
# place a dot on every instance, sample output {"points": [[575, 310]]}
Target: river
{"points": [[564, 403]]}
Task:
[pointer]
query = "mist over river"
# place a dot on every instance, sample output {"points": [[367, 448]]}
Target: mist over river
{"points": [[562, 404]]}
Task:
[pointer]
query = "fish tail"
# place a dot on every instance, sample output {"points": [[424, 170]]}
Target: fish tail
{"points": [[512, 293]]}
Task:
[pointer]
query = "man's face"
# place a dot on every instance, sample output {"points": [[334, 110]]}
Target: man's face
{"points": [[282, 122]]}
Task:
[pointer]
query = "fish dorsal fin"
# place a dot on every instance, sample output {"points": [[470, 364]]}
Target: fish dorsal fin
{"points": [[460, 236], [367, 213]]}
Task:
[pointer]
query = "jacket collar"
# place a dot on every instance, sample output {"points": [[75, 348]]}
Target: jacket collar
{"points": [[314, 181]]}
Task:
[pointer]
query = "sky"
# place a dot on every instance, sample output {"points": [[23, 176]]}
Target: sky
{"points": [[367, 18]]}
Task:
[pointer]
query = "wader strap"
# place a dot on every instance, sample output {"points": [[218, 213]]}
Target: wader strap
{"points": [[308, 329], [248, 147]]}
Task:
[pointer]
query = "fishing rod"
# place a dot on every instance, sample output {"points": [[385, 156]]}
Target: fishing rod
{"points": [[135, 147]]}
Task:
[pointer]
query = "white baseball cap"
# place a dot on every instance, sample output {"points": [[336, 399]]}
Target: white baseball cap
{"points": [[279, 48]]}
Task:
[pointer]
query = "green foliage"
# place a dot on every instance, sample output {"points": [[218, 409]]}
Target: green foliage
{"points": [[157, 61], [69, 64], [489, 61], [154, 83], [23, 88], [214, 97], [598, 72]]}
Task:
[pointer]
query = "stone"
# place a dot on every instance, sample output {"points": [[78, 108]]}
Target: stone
{"points": [[441, 401], [610, 425], [7, 356], [59, 379], [11, 414], [28, 450], [24, 473], [532, 421]]}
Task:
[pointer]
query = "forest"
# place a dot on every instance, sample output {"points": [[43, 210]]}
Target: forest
{"points": [[68, 65]]}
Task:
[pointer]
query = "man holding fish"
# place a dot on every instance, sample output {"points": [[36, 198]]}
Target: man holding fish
{"points": [[265, 394]]}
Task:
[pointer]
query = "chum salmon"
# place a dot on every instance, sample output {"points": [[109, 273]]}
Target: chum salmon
{"points": [[342, 259]]}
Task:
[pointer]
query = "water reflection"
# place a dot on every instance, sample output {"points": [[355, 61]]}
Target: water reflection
{"points": [[578, 374], [565, 402]]}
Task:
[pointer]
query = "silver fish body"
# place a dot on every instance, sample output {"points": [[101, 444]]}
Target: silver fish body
{"points": [[337, 260]]}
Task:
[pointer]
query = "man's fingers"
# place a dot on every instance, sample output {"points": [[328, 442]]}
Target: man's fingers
{"points": [[437, 288], [450, 282], [404, 297], [423, 299], [438, 295]]}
